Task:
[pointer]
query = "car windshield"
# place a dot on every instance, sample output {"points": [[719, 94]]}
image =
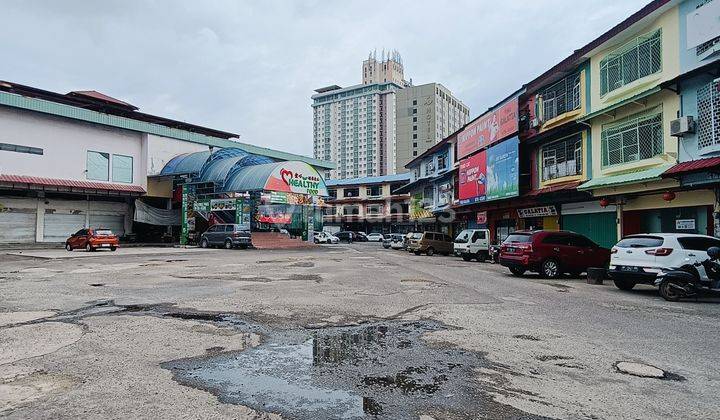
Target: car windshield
{"points": [[519, 237], [640, 242], [415, 235], [463, 236], [103, 232]]}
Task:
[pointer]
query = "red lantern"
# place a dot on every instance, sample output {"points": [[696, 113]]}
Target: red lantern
{"points": [[669, 196], [604, 202]]}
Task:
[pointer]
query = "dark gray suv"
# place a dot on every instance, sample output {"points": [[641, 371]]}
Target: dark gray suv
{"points": [[226, 235]]}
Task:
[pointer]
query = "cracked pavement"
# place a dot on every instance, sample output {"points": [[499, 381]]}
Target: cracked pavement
{"points": [[86, 337]]}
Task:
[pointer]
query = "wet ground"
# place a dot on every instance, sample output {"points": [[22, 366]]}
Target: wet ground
{"points": [[341, 332]]}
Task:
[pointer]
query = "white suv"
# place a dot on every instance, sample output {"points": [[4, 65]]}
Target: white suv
{"points": [[639, 258]]}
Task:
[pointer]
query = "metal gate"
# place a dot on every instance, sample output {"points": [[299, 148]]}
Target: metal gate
{"points": [[59, 226], [116, 223], [17, 227], [600, 227]]}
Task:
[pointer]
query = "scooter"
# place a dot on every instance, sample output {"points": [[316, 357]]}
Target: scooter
{"points": [[682, 282]]}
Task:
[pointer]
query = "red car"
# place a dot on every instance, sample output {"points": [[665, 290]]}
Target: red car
{"points": [[91, 239], [551, 253]]}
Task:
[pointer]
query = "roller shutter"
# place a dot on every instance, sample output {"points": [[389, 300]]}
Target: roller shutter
{"points": [[58, 226], [17, 227], [116, 223]]}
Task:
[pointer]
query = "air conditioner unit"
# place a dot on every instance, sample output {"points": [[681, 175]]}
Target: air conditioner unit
{"points": [[682, 126]]}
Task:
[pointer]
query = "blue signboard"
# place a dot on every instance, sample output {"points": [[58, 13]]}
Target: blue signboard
{"points": [[502, 170]]}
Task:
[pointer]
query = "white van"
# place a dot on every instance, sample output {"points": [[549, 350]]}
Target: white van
{"points": [[472, 243]]}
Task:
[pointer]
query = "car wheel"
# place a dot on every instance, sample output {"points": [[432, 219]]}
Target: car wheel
{"points": [[113, 248], [329, 241], [672, 290], [517, 271], [466, 257], [481, 256], [89, 248], [550, 269], [68, 247], [228, 244], [624, 284], [430, 252], [204, 243]]}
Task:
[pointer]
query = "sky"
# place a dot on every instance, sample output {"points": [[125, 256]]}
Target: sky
{"points": [[250, 67]]}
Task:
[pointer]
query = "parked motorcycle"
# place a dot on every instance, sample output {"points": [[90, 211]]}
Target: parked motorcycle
{"points": [[682, 282]]}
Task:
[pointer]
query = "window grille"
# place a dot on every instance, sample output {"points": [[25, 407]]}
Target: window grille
{"points": [[708, 124], [705, 46], [562, 158], [638, 58], [561, 97], [635, 138]]}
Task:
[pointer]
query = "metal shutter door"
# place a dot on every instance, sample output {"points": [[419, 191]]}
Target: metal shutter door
{"points": [[600, 227], [17, 227], [112, 222], [58, 226]]}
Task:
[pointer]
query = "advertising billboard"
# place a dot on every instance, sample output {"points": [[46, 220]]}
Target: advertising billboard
{"points": [[502, 170], [491, 174], [472, 179], [296, 177], [486, 130]]}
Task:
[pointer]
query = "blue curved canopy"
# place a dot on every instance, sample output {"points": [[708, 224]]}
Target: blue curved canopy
{"points": [[187, 163]]}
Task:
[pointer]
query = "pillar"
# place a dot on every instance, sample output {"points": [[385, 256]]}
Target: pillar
{"points": [[619, 219], [40, 219], [716, 213]]}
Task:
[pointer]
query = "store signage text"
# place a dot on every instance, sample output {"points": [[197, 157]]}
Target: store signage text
{"points": [[540, 211], [486, 130]]}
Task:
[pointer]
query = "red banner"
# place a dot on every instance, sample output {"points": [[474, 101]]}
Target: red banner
{"points": [[493, 126], [472, 179]]}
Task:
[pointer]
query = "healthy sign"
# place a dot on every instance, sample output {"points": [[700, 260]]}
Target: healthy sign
{"points": [[296, 177]]}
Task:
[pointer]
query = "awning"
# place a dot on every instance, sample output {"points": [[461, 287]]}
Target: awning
{"points": [[631, 177], [693, 166], [69, 185], [555, 188], [623, 102], [291, 176]]}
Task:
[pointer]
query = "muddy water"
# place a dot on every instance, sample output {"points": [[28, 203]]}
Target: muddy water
{"points": [[383, 370]]}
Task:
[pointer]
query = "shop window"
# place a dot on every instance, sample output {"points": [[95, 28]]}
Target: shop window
{"points": [[637, 137], [122, 168], [638, 58], [351, 192], [98, 166], [562, 158], [708, 124], [561, 97], [374, 191]]}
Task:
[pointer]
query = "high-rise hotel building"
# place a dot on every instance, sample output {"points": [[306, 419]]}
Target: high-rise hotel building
{"points": [[375, 128]]}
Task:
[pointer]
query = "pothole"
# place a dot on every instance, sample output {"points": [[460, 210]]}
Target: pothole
{"points": [[348, 372], [643, 370], [527, 337]]}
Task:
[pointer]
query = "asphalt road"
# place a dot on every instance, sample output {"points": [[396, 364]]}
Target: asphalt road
{"points": [[116, 335]]}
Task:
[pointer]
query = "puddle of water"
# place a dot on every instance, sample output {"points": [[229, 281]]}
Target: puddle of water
{"points": [[371, 370]]}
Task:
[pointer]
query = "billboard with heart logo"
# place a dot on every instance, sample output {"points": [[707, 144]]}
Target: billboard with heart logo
{"points": [[296, 177]]}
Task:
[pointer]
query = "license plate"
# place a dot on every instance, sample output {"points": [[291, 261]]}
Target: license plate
{"points": [[105, 245], [628, 268]]}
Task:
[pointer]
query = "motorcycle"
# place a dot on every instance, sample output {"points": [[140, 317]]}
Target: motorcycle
{"points": [[682, 282]]}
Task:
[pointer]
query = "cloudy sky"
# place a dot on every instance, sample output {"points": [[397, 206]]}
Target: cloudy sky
{"points": [[250, 67]]}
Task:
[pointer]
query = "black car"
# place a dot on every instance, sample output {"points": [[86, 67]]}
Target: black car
{"points": [[226, 235], [346, 236], [360, 237]]}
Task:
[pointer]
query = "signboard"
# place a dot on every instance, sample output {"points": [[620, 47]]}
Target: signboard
{"points": [[472, 179], [540, 211], [274, 214], [202, 206], [502, 170], [221, 204], [685, 224], [481, 217], [445, 194], [296, 177], [486, 130]]}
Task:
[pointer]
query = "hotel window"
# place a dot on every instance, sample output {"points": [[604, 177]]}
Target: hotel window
{"points": [[708, 124], [562, 158], [414, 111], [98, 166], [638, 58], [637, 137], [122, 168]]}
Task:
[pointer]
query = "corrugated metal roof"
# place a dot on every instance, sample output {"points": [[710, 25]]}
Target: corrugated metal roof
{"points": [[562, 187], [368, 180], [71, 183], [93, 94], [625, 178], [188, 163], [693, 166], [620, 103]]}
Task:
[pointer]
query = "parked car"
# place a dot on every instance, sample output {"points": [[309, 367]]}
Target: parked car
{"points": [[640, 258], [410, 236], [397, 241], [226, 235], [551, 253], [346, 236], [472, 243], [375, 237], [430, 243], [325, 238], [360, 237], [91, 239]]}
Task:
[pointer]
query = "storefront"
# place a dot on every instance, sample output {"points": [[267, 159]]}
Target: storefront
{"points": [[670, 212], [539, 217], [589, 218]]}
